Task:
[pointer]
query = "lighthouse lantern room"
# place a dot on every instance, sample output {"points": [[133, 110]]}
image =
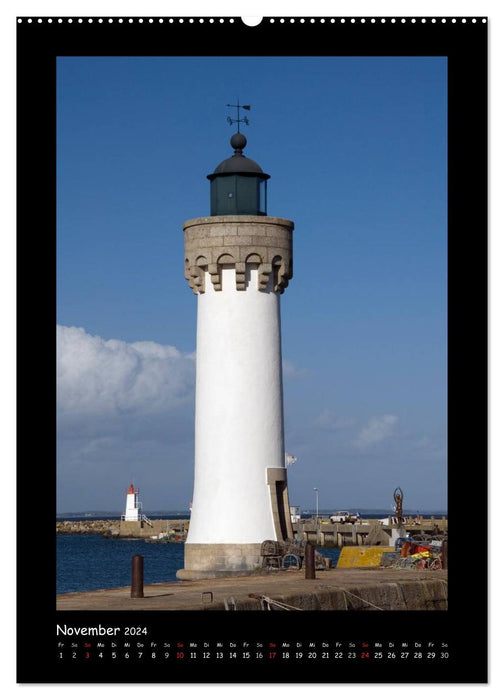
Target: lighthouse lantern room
{"points": [[238, 184]]}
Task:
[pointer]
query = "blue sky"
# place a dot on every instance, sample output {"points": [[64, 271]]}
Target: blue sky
{"points": [[356, 150]]}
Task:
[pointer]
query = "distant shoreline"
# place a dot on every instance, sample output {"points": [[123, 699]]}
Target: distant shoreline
{"points": [[185, 515]]}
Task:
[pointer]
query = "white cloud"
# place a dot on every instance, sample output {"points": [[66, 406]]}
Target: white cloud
{"points": [[378, 429], [290, 370], [432, 447], [329, 420], [97, 376], [125, 410]]}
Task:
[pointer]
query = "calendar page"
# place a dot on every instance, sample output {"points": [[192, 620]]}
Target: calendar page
{"points": [[264, 247]]}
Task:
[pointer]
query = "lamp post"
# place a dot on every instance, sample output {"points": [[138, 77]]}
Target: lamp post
{"points": [[317, 516]]}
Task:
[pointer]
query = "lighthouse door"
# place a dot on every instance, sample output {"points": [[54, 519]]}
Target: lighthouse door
{"points": [[280, 491]]}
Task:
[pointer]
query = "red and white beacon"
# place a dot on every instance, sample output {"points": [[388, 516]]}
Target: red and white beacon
{"points": [[132, 512]]}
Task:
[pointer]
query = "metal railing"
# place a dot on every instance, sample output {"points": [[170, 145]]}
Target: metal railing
{"points": [[141, 518]]}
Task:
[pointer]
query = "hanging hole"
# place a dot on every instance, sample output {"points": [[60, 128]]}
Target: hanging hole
{"points": [[251, 21]]}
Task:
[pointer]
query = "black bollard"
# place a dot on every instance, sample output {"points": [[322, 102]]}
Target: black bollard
{"points": [[444, 554], [309, 561], [137, 575]]}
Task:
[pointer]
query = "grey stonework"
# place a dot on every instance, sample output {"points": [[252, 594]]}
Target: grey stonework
{"points": [[262, 241], [209, 560]]}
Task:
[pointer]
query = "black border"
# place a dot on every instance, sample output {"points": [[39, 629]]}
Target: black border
{"points": [[465, 45]]}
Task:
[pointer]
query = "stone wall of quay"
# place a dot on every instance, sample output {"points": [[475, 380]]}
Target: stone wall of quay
{"points": [[404, 595], [368, 532]]}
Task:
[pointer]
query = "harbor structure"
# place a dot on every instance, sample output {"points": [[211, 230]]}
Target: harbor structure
{"points": [[238, 262], [325, 534]]}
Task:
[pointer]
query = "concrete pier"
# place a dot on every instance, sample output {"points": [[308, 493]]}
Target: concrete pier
{"points": [[333, 589]]}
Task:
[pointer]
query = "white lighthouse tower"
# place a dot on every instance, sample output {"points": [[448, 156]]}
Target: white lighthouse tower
{"points": [[238, 262], [132, 512]]}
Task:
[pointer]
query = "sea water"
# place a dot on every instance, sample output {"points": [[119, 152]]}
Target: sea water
{"points": [[91, 562]]}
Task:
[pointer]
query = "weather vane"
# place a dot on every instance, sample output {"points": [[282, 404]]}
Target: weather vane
{"points": [[238, 120]]}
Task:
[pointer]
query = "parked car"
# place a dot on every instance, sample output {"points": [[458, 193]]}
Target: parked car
{"points": [[344, 516]]}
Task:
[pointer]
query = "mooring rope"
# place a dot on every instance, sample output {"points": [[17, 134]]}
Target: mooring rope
{"points": [[270, 601], [364, 601], [283, 606]]}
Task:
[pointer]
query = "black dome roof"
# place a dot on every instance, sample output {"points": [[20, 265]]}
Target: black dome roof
{"points": [[238, 163]]}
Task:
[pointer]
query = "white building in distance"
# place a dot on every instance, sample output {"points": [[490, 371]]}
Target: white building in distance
{"points": [[132, 512]]}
